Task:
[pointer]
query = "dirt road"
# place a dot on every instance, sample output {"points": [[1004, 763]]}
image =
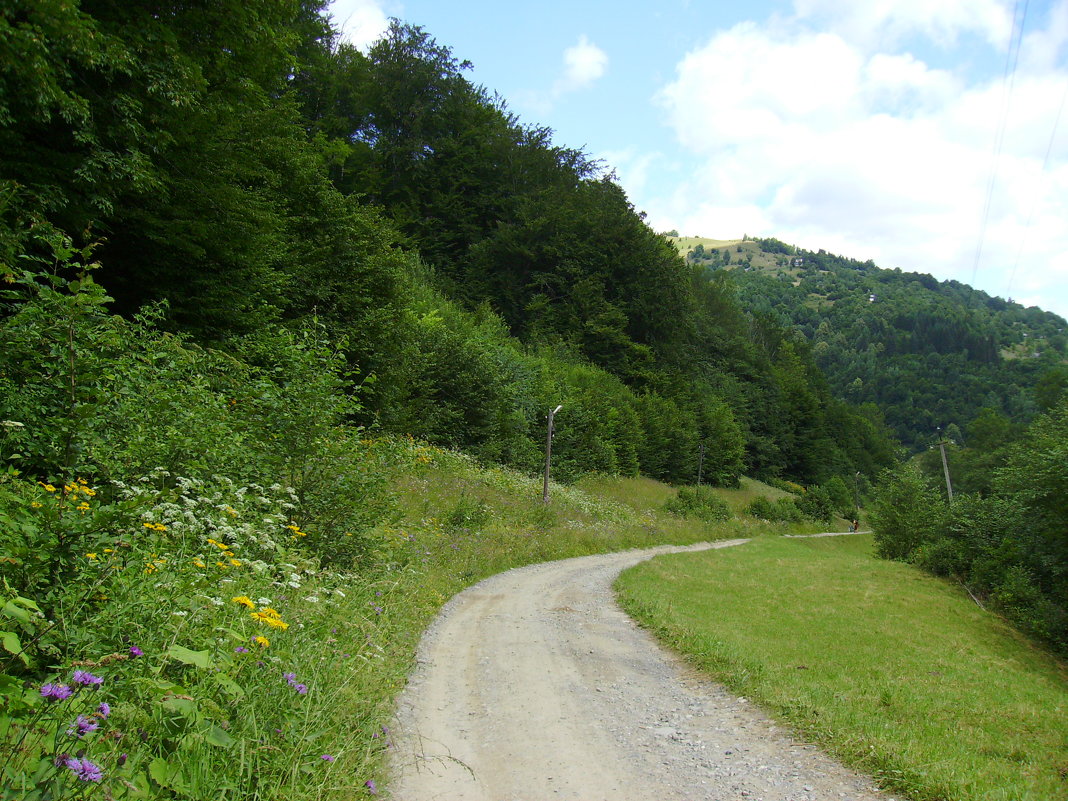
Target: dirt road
{"points": [[534, 685]]}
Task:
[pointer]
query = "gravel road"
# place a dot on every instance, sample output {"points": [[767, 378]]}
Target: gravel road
{"points": [[534, 685]]}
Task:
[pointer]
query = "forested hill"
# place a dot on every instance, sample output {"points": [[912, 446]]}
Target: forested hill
{"points": [[236, 169], [928, 353]]}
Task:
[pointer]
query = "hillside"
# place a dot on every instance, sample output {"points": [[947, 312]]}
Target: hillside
{"points": [[927, 353]]}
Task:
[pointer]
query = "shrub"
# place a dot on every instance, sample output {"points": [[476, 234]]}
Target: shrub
{"points": [[699, 502], [905, 513]]}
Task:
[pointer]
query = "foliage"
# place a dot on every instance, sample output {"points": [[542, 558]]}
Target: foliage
{"points": [[700, 502], [1007, 546]]}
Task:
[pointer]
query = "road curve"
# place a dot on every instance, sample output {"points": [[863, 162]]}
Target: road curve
{"points": [[533, 684]]}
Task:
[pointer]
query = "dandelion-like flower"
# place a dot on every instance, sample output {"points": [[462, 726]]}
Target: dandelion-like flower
{"points": [[84, 769], [261, 641], [56, 692], [244, 600], [86, 678], [82, 726]]}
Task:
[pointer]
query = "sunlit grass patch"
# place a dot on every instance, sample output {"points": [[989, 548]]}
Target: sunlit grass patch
{"points": [[898, 673]]}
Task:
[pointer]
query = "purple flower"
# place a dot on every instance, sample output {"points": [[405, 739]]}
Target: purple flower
{"points": [[56, 692], [327, 757], [371, 786], [241, 650], [135, 651], [290, 678], [84, 769], [86, 678], [82, 726], [104, 709], [301, 688], [121, 760]]}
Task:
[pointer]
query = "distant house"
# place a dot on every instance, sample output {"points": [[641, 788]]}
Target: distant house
{"points": [[871, 298], [799, 262]]}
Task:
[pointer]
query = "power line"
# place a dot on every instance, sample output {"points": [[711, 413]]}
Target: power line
{"points": [[1034, 199], [1012, 58]]}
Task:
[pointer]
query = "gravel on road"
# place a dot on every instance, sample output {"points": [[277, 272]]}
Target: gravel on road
{"points": [[533, 684]]}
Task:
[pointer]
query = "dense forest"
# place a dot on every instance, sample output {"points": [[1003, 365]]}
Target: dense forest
{"points": [[929, 354], [238, 170]]}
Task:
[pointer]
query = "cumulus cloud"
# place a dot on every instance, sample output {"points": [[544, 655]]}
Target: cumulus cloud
{"points": [[361, 22], [850, 144], [584, 63]]}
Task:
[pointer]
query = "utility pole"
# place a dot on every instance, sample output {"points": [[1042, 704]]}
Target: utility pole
{"points": [[856, 495], [700, 463], [945, 464], [548, 453]]}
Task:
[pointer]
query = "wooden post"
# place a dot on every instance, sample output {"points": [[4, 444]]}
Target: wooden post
{"points": [[945, 465], [548, 453]]}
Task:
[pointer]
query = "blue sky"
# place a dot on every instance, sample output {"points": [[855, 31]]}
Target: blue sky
{"points": [[929, 135]]}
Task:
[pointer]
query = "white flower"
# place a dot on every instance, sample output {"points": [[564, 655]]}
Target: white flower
{"points": [[179, 614], [339, 593], [263, 601], [217, 601], [294, 584], [312, 599]]}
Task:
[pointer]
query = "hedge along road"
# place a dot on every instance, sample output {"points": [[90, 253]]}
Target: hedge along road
{"points": [[533, 684]]}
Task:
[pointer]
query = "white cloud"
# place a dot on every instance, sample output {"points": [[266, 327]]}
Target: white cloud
{"points": [[873, 153], [889, 21], [584, 63], [361, 22]]}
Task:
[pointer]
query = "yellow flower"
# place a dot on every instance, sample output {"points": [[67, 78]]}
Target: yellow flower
{"points": [[235, 563], [212, 542], [82, 507], [222, 546], [230, 511], [35, 505], [109, 550], [261, 641], [198, 563], [155, 526], [223, 565], [244, 600], [91, 556], [270, 617], [48, 487]]}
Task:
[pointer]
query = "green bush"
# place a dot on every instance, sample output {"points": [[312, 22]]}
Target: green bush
{"points": [[783, 510], [699, 502]]}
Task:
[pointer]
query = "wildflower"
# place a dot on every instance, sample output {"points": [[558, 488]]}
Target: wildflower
{"points": [[48, 487], [121, 760], [223, 565], [154, 526], [82, 768], [82, 726], [82, 507], [35, 504], [241, 650], [327, 757], [104, 709], [263, 601], [198, 563], [56, 692], [372, 788], [301, 688], [235, 563], [244, 600], [261, 641], [91, 557], [86, 678], [135, 651]]}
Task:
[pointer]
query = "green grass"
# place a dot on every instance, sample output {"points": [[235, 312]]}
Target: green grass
{"points": [[898, 673]]}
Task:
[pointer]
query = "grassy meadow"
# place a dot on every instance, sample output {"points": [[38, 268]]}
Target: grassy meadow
{"points": [[898, 673]]}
